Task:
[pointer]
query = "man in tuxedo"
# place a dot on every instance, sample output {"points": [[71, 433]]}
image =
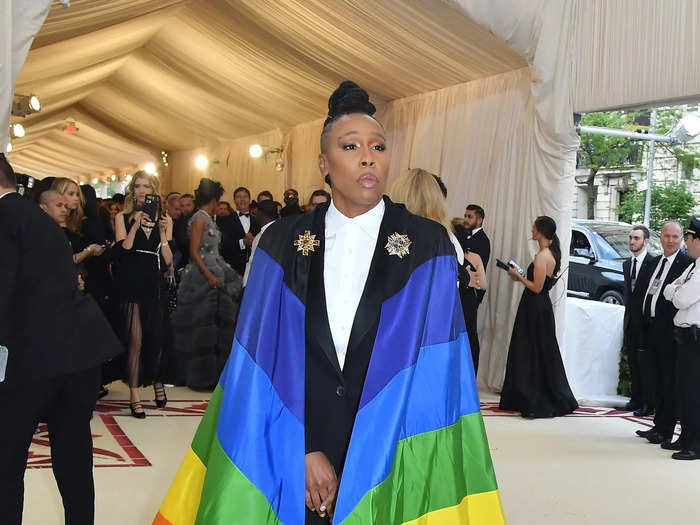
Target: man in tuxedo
{"points": [[473, 239], [181, 235], [238, 231], [658, 363], [54, 341], [634, 269]]}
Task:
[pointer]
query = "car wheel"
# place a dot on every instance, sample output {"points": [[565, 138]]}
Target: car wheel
{"points": [[612, 297]]}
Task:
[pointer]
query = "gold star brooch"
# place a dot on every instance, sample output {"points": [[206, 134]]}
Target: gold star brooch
{"points": [[306, 243], [398, 245]]}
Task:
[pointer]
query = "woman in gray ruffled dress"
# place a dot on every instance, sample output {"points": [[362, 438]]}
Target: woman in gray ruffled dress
{"points": [[208, 298]]}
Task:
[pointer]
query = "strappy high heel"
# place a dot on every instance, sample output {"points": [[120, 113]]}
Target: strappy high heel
{"points": [[159, 390], [137, 414]]}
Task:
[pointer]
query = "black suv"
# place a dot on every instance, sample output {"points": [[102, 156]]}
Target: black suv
{"points": [[597, 251]]}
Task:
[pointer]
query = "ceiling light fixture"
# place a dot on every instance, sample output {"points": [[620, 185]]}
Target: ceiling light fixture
{"points": [[23, 105], [128, 177], [256, 151], [8, 148], [95, 180], [150, 168], [113, 177], [201, 162], [17, 131]]}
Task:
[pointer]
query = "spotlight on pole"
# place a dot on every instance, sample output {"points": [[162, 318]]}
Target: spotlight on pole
{"points": [[687, 128]]}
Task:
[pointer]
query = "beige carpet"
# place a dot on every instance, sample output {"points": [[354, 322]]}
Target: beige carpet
{"points": [[581, 470]]}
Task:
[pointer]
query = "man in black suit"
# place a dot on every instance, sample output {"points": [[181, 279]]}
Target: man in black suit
{"points": [[634, 269], [238, 231], [658, 364], [473, 239], [55, 339]]}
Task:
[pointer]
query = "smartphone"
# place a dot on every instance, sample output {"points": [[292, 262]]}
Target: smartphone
{"points": [[151, 206], [502, 265]]}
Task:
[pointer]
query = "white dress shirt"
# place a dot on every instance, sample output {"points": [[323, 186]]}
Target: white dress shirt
{"points": [[474, 232], [656, 296], [684, 293], [347, 257], [253, 247], [640, 259], [245, 221]]}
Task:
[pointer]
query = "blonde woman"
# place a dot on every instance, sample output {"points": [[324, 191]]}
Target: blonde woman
{"points": [[424, 194], [74, 201], [143, 255]]}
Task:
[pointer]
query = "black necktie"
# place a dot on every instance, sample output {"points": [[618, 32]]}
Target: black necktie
{"points": [[649, 297], [243, 214], [634, 272]]}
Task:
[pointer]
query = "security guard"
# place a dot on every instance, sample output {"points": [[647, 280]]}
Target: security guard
{"points": [[684, 292]]}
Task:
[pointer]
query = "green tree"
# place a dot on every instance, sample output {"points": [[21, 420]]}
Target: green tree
{"points": [[673, 202], [600, 151]]}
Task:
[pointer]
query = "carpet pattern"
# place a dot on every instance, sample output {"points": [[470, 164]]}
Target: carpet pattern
{"points": [[113, 448]]}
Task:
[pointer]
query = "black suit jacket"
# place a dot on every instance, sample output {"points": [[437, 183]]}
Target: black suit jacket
{"points": [[665, 311], [634, 299], [478, 243], [231, 233], [49, 327], [332, 395]]}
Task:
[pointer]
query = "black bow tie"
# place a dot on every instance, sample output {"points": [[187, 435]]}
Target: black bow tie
{"points": [[243, 214]]}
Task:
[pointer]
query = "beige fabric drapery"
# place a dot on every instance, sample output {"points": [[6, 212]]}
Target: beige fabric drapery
{"points": [[635, 53], [183, 74], [19, 22]]}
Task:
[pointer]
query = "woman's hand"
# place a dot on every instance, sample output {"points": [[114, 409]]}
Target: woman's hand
{"points": [[321, 484], [214, 281], [474, 278], [163, 225], [514, 274], [137, 217], [95, 250]]}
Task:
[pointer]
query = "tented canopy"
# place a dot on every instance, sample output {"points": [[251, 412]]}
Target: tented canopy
{"points": [[176, 75]]}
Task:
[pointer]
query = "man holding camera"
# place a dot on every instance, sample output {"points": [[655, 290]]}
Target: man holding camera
{"points": [[53, 339]]}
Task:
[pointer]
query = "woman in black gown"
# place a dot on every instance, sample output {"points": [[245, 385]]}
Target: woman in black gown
{"points": [[536, 384], [142, 255]]}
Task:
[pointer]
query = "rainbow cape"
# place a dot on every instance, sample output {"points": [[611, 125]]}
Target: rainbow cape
{"points": [[418, 453]]}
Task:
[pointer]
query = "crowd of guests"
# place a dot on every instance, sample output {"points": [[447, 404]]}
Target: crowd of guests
{"points": [[169, 278]]}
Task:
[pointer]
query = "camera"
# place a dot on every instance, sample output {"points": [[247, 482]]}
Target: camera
{"points": [[24, 183]]}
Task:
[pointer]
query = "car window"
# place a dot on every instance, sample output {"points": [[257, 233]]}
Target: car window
{"points": [[612, 244], [579, 244]]}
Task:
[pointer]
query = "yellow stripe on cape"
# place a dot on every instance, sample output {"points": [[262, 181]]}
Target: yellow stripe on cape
{"points": [[182, 500], [477, 509]]}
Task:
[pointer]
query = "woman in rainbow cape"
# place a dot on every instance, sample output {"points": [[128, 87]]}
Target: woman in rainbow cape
{"points": [[349, 396]]}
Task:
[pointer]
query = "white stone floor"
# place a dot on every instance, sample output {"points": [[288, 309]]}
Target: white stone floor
{"points": [[563, 471]]}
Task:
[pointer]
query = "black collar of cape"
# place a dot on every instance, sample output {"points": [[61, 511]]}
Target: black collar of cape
{"points": [[387, 273]]}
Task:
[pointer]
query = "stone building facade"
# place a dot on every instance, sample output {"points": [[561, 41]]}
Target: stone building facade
{"points": [[612, 184]]}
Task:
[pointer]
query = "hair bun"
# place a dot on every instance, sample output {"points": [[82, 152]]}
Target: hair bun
{"points": [[349, 98]]}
